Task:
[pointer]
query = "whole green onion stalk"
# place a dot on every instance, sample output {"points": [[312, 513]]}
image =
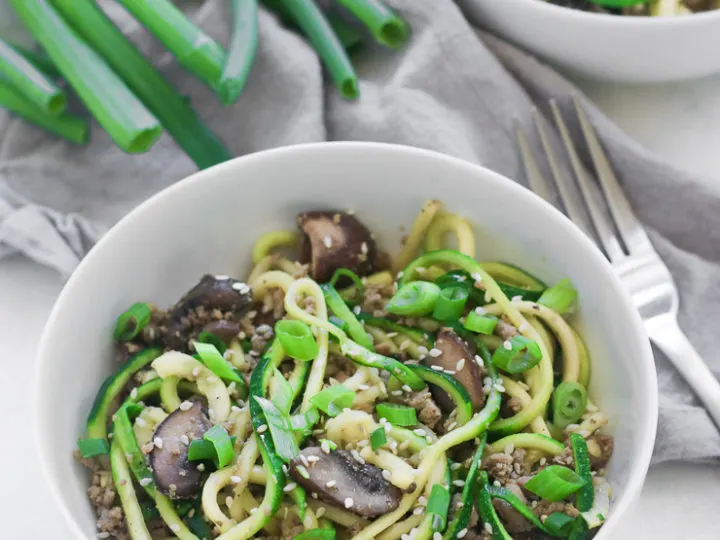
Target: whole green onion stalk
{"points": [[387, 28], [241, 53], [177, 116], [119, 112]]}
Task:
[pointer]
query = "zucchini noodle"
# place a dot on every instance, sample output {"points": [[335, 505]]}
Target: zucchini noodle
{"points": [[270, 241], [355, 448], [450, 223], [415, 236]]}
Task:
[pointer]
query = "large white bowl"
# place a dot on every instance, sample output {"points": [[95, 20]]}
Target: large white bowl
{"points": [[629, 49], [208, 222]]}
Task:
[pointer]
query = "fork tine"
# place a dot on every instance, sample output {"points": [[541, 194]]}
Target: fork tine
{"points": [[574, 209], [603, 226], [537, 181], [631, 231]]}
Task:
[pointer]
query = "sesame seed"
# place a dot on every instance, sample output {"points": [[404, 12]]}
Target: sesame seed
{"points": [[186, 405], [437, 536], [450, 371], [325, 447], [386, 475], [158, 442], [517, 298], [289, 487], [145, 481], [543, 462], [235, 479], [523, 327], [330, 483], [134, 393], [488, 527], [437, 368], [419, 432], [328, 242], [488, 298], [509, 449], [407, 388], [228, 501], [480, 310], [479, 361], [262, 428], [455, 466], [419, 510], [435, 352], [313, 459], [460, 364], [139, 421], [363, 387], [103, 534], [349, 503], [184, 439], [507, 345], [462, 533], [364, 248], [496, 483], [357, 310], [320, 512], [452, 426], [459, 483], [174, 527], [304, 460], [396, 393], [196, 371], [499, 387]]}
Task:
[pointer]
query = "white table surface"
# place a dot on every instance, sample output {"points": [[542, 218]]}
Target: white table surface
{"points": [[679, 121]]}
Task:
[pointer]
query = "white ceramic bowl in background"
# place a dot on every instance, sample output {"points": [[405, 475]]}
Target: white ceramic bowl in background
{"points": [[208, 223], [628, 49]]}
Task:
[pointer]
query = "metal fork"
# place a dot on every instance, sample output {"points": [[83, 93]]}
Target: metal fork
{"points": [[623, 240]]}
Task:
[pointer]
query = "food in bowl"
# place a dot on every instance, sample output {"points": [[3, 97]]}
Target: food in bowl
{"points": [[348, 394], [654, 8]]}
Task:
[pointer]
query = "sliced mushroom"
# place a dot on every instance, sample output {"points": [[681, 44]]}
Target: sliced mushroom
{"points": [[174, 475], [514, 521], [215, 292], [455, 352], [340, 480], [225, 330], [332, 240]]}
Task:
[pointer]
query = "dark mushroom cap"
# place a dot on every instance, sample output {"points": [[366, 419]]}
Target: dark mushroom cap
{"points": [[332, 240], [361, 485], [514, 520], [215, 292], [174, 475], [225, 330], [453, 349]]}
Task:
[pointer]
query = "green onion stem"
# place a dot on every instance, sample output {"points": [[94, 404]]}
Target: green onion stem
{"points": [[387, 28], [173, 110], [297, 339], [398, 415], [414, 299], [316, 27], [72, 128], [30, 81], [196, 51], [348, 35], [40, 60], [115, 107], [242, 50]]}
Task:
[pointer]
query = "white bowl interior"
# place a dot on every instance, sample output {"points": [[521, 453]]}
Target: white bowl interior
{"points": [[209, 222]]}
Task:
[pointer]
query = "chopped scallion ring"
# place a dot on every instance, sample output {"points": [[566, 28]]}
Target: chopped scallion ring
{"points": [[93, 447], [398, 415], [555, 483], [219, 438], [415, 299], [481, 324], [334, 399], [130, 323], [297, 339], [450, 303], [516, 355]]}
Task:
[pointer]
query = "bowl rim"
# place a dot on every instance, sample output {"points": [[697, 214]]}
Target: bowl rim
{"points": [[608, 20], [649, 380]]}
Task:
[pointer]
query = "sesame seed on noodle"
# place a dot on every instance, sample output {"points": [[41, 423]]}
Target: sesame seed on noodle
{"points": [[488, 298], [235, 479], [140, 422], [386, 475], [174, 527], [363, 387], [517, 298], [419, 510]]}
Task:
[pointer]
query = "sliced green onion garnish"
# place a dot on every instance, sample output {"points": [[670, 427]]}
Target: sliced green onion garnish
{"points": [[482, 324], [579, 529], [241, 52], [304, 422], [73, 128], [130, 323], [297, 339], [172, 108], [414, 299], [212, 339], [202, 450], [93, 447], [486, 510], [586, 495], [378, 438], [560, 297], [121, 114], [558, 524], [281, 431], [315, 26], [316, 534], [516, 355], [333, 399], [438, 505], [398, 415], [569, 401], [219, 438], [214, 361], [339, 308], [555, 483], [450, 304], [30, 81], [461, 278], [386, 27], [194, 49]]}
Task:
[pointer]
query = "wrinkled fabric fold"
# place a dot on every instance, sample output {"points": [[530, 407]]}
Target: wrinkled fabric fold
{"points": [[452, 89]]}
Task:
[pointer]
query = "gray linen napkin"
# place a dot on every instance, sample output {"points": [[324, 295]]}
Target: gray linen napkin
{"points": [[450, 90]]}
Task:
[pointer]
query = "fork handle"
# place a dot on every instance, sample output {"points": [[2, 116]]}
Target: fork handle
{"points": [[667, 335]]}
